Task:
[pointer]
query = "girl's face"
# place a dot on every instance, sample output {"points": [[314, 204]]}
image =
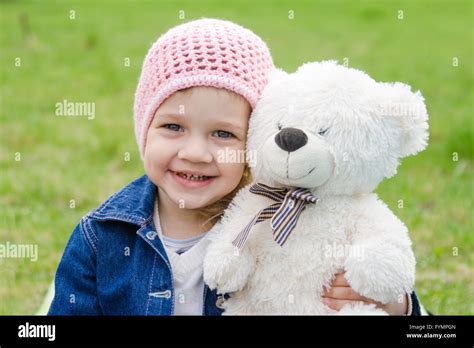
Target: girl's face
{"points": [[195, 146]]}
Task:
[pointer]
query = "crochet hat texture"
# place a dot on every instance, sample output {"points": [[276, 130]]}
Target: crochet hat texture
{"points": [[204, 52]]}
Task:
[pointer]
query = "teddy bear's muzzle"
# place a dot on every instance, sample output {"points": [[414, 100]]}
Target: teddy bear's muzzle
{"points": [[295, 157]]}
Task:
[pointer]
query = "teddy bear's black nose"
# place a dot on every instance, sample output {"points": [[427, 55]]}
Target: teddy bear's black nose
{"points": [[291, 139]]}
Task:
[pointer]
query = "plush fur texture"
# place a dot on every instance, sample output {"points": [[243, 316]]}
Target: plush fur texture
{"points": [[357, 130]]}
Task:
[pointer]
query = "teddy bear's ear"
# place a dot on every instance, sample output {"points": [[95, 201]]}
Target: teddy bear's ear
{"points": [[276, 74], [409, 110]]}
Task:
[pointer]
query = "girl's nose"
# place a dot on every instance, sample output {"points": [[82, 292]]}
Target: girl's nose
{"points": [[195, 151]]}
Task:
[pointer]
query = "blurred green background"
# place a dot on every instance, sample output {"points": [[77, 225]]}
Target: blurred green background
{"points": [[427, 44]]}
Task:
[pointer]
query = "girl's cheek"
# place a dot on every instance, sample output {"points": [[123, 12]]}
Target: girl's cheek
{"points": [[154, 158], [233, 172], [149, 163]]}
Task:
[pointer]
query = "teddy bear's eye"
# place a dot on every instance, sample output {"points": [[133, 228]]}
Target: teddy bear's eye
{"points": [[280, 125], [323, 131]]}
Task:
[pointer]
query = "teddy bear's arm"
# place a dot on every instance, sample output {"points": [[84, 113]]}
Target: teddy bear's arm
{"points": [[227, 268], [381, 264]]}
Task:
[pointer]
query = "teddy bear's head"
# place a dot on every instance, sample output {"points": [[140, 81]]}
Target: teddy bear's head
{"points": [[333, 129]]}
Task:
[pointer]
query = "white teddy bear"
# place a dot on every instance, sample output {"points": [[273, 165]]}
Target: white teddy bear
{"points": [[324, 138]]}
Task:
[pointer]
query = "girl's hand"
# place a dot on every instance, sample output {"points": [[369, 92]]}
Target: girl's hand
{"points": [[341, 293]]}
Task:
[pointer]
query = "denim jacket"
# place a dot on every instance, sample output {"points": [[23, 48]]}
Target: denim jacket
{"points": [[115, 264]]}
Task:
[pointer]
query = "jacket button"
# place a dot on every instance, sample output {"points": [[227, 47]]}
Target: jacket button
{"points": [[220, 302], [151, 235]]}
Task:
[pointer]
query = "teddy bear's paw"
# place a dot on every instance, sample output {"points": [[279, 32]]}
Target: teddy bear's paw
{"points": [[369, 285], [226, 268], [384, 280], [360, 308]]}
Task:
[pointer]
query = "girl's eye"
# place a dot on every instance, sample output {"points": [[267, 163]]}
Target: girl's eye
{"points": [[173, 127], [323, 131], [223, 134]]}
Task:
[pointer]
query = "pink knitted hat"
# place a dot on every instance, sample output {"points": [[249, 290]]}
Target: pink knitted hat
{"points": [[204, 52]]}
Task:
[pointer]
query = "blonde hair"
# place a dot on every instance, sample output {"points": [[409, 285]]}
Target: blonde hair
{"points": [[215, 211]]}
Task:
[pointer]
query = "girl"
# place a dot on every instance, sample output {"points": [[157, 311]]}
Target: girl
{"points": [[141, 251]]}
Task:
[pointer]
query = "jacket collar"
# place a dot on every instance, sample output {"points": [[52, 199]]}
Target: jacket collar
{"points": [[134, 203]]}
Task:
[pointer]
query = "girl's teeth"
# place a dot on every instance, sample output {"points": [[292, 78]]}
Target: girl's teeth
{"points": [[193, 177]]}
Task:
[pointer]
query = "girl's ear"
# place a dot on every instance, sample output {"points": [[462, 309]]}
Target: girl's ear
{"points": [[409, 110]]}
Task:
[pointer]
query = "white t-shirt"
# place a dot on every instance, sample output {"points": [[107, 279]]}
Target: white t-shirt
{"points": [[186, 258]]}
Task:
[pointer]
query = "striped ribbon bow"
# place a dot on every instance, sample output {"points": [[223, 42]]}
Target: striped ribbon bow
{"points": [[284, 214]]}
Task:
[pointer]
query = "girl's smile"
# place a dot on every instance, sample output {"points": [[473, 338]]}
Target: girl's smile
{"points": [[190, 179]]}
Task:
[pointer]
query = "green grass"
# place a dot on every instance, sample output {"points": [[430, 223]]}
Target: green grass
{"points": [[65, 158]]}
